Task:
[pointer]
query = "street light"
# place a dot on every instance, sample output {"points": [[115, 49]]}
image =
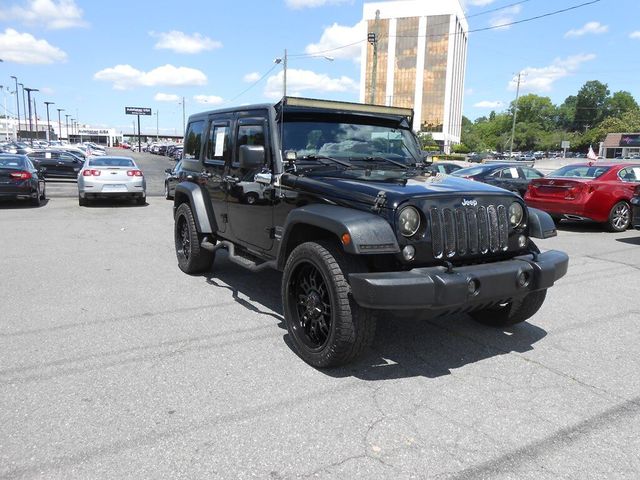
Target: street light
{"points": [[17, 105], [284, 61], [59, 123], [29, 90], [24, 105], [66, 121], [157, 114], [48, 124]]}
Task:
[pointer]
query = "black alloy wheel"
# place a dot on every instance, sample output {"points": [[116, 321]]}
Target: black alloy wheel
{"points": [[191, 257], [327, 327]]}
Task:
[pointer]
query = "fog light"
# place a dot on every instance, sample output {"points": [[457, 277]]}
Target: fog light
{"points": [[472, 286], [523, 279], [409, 253], [522, 241]]}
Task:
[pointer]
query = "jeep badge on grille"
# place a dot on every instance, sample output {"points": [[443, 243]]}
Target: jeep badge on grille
{"points": [[469, 203]]}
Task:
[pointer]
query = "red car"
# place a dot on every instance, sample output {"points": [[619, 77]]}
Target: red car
{"points": [[594, 191]]}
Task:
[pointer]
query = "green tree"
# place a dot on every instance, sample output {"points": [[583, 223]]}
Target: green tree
{"points": [[591, 105], [567, 113], [620, 103], [536, 110]]}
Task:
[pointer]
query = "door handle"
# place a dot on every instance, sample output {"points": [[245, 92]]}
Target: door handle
{"points": [[230, 179]]}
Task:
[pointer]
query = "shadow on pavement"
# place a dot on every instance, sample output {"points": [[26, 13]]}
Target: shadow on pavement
{"points": [[630, 241], [403, 347]]}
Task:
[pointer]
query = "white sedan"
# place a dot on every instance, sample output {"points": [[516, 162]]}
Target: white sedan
{"points": [[111, 177]]}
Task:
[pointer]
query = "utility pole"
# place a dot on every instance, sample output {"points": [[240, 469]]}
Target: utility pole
{"points": [[59, 124], [373, 39], [515, 114], [17, 105]]}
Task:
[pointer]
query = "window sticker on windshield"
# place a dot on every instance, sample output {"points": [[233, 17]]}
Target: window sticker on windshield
{"points": [[636, 171], [514, 172], [47, 155], [219, 143]]}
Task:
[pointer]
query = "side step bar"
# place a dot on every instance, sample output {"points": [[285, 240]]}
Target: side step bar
{"points": [[237, 259]]}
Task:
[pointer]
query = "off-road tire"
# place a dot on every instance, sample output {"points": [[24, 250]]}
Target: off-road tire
{"points": [[619, 217], [191, 257], [351, 328], [516, 311]]}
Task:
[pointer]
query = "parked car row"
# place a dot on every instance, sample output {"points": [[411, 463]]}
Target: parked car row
{"points": [[23, 177]]}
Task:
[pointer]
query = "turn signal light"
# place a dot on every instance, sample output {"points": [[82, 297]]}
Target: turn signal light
{"points": [[20, 175]]}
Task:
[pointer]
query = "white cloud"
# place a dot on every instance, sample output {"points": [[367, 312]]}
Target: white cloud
{"points": [[480, 3], [504, 17], [124, 77], [488, 104], [299, 81], [337, 36], [299, 4], [180, 42], [166, 97], [635, 35], [208, 99], [26, 49], [51, 14], [588, 28], [541, 79], [251, 77]]}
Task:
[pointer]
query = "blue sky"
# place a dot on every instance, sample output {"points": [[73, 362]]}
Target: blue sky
{"points": [[94, 58]]}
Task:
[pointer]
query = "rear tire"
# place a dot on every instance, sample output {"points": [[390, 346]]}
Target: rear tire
{"points": [[327, 327], [619, 217], [191, 257], [83, 202], [516, 311], [36, 202], [141, 201]]}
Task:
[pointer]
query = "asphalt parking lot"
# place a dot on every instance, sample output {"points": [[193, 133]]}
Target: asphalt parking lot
{"points": [[115, 364]]}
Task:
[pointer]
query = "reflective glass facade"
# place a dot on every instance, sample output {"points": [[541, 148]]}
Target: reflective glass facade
{"points": [[435, 73], [406, 62]]}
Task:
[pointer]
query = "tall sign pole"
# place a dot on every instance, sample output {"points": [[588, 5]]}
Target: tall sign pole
{"points": [[138, 111]]}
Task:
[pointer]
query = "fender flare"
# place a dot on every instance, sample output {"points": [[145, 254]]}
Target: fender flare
{"points": [[370, 234], [541, 224], [189, 192]]}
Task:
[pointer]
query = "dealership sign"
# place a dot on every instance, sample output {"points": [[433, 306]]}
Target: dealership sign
{"points": [[137, 111], [630, 140], [93, 131]]}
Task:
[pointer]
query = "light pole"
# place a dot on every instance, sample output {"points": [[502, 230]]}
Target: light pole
{"points": [[48, 124], [515, 115], [66, 121], [59, 124], [17, 105], [29, 90], [157, 125], [24, 105], [285, 61], [35, 116]]}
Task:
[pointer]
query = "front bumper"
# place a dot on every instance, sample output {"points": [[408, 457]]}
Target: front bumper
{"points": [[433, 288]]}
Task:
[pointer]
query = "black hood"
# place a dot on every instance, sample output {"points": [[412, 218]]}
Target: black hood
{"points": [[396, 191]]}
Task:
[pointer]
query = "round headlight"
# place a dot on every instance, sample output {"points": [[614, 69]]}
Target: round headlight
{"points": [[409, 221], [516, 214]]}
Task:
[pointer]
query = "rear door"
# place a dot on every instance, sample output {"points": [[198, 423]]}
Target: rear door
{"points": [[68, 165]]}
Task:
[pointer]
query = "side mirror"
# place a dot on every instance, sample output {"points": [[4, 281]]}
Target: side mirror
{"points": [[251, 156], [263, 178], [168, 170]]}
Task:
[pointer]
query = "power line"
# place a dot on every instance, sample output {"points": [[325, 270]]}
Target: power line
{"points": [[315, 54], [497, 9], [252, 85]]}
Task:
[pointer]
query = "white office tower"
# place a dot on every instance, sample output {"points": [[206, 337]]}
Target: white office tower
{"points": [[420, 62]]}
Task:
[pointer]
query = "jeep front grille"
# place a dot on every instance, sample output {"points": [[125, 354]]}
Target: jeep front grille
{"points": [[469, 230]]}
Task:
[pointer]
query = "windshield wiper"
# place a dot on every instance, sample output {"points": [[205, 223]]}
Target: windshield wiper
{"points": [[378, 158], [324, 157]]}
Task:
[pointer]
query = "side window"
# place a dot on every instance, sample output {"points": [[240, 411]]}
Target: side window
{"points": [[218, 144], [193, 140], [629, 174]]}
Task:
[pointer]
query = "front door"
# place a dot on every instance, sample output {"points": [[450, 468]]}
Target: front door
{"points": [[249, 203], [216, 157]]}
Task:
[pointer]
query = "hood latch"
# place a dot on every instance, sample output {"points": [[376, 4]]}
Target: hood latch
{"points": [[379, 202]]}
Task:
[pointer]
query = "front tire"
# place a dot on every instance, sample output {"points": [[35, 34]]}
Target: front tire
{"points": [[326, 325], [191, 257], [619, 217], [167, 195], [516, 311]]}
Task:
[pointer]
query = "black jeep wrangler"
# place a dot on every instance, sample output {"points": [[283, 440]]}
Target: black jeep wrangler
{"points": [[336, 196]]}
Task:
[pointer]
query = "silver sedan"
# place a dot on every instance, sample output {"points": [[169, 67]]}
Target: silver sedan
{"points": [[111, 177]]}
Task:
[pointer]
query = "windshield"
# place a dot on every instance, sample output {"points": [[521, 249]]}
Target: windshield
{"points": [[350, 141], [579, 171]]}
